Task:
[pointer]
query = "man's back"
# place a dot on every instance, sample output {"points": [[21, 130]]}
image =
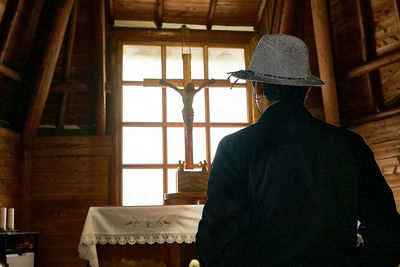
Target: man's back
{"points": [[286, 192]]}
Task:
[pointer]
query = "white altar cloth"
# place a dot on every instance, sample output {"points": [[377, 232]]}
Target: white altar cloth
{"points": [[137, 225]]}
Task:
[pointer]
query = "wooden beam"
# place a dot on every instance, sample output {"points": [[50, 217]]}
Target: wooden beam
{"points": [[211, 13], [276, 20], [319, 11], [63, 110], [67, 65], [71, 41], [377, 116], [180, 83], [10, 73], [159, 13], [367, 27], [374, 65], [260, 13], [175, 35], [396, 6], [12, 29], [41, 88], [110, 7], [100, 59], [26, 174], [288, 17]]}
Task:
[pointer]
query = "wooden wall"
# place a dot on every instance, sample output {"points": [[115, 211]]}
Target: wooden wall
{"points": [[384, 139], [363, 31], [69, 174], [10, 172]]}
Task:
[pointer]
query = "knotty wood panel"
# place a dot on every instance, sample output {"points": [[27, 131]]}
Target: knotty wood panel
{"points": [[10, 174], [383, 137], [69, 174]]}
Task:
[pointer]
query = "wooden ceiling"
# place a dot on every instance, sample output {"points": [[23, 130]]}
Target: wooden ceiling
{"points": [[203, 12]]}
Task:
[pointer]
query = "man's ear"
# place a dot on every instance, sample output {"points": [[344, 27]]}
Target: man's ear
{"points": [[259, 88]]}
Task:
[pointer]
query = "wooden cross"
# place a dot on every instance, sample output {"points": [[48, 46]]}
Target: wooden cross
{"points": [[187, 96]]}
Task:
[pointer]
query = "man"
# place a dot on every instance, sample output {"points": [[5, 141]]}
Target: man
{"points": [[288, 190]]}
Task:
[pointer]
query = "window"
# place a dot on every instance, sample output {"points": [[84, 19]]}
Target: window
{"points": [[152, 128]]}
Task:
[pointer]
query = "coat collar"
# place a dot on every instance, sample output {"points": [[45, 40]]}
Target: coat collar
{"points": [[282, 111]]}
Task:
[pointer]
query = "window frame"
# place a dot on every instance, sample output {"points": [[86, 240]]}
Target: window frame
{"points": [[165, 166]]}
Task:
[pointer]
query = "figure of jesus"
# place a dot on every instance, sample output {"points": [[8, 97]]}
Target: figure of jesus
{"points": [[187, 97]]}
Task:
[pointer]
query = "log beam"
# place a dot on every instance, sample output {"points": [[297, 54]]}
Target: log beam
{"points": [[26, 174], [374, 65], [110, 18], [71, 41], [10, 73], [260, 13], [211, 14], [67, 65], [276, 18], [159, 13], [288, 18], [46, 70], [368, 43], [100, 39], [13, 28], [174, 35], [319, 13], [196, 82]]}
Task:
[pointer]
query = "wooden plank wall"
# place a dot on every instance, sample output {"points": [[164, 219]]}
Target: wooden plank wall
{"points": [[384, 139], [10, 172], [69, 174]]}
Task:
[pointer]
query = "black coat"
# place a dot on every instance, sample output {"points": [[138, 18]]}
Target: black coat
{"points": [[288, 191]]}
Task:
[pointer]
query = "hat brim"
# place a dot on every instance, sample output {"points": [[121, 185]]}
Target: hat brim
{"points": [[252, 76]]}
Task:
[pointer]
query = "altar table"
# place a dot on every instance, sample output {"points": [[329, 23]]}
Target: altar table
{"points": [[137, 225]]}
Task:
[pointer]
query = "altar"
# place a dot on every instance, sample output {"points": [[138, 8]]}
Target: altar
{"points": [[168, 229]]}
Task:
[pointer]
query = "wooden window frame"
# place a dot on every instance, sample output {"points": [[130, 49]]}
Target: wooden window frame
{"points": [[165, 166]]}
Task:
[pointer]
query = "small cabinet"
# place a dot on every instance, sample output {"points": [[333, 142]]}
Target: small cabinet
{"points": [[19, 248]]}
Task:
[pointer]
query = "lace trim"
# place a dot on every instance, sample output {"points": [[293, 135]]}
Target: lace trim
{"points": [[142, 238]]}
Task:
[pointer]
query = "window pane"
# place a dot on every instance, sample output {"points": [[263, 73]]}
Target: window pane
{"points": [[175, 63], [141, 104], [175, 106], [217, 133], [140, 62], [142, 187], [228, 105], [199, 107], [142, 145], [224, 60], [176, 144], [197, 63], [199, 144], [172, 181]]}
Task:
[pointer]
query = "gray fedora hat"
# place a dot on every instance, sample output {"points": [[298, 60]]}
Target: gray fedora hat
{"points": [[280, 59]]}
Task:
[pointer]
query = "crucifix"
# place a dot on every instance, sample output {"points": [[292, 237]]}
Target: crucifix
{"points": [[187, 95]]}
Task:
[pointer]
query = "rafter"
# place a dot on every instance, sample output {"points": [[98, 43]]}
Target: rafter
{"points": [[46, 70], [10, 73], [288, 17], [160, 13], [100, 59], [374, 65], [260, 13], [110, 12], [211, 14]]}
